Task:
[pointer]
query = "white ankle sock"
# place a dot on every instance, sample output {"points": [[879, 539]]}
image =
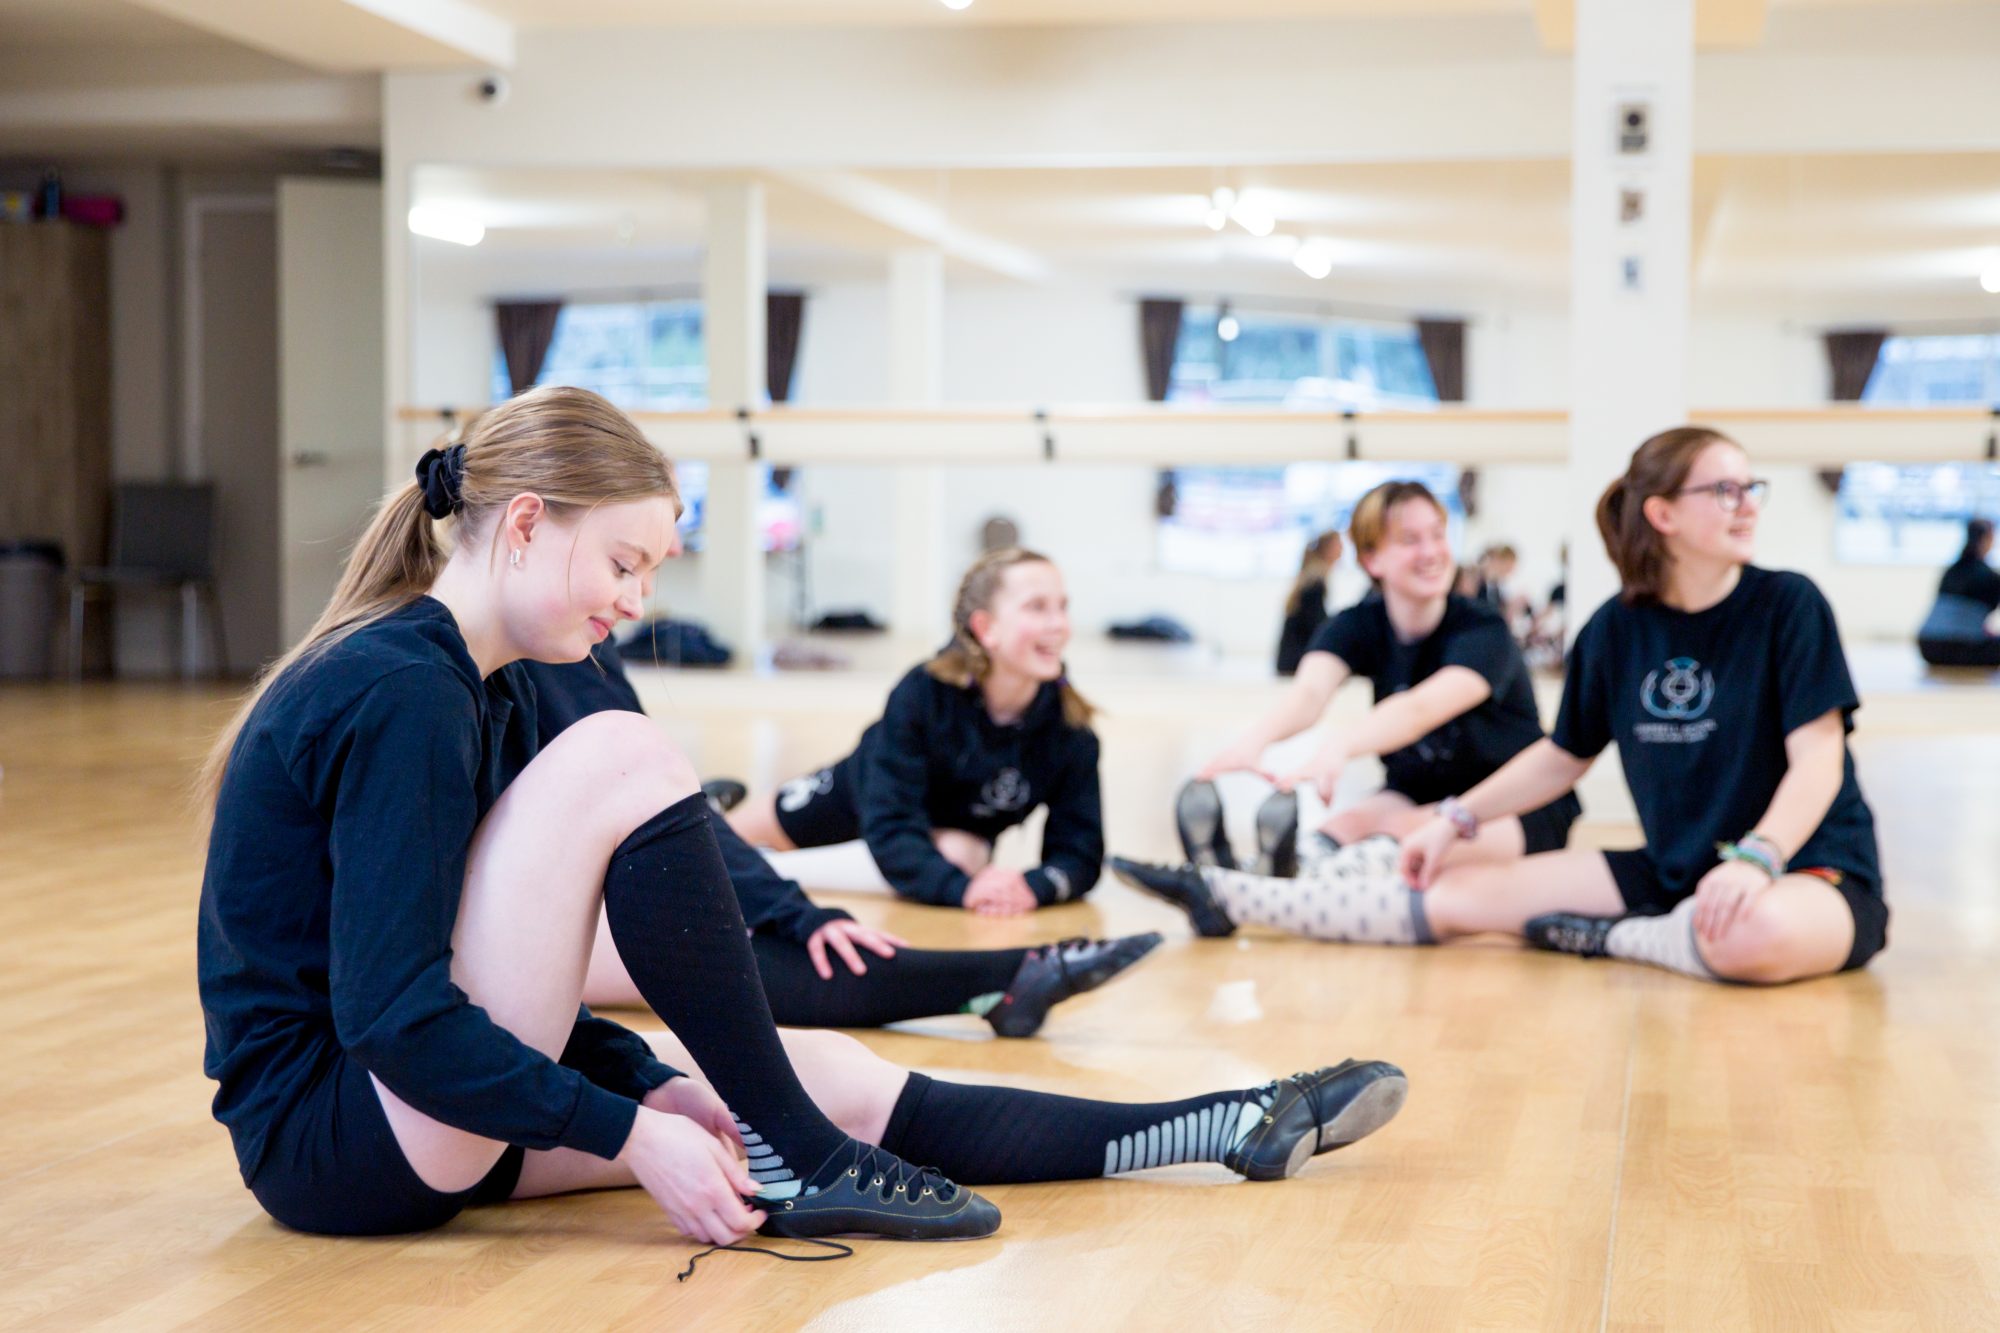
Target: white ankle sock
{"points": [[1664, 941]]}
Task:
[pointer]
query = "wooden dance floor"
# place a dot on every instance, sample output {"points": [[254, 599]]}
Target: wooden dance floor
{"points": [[1586, 1145]]}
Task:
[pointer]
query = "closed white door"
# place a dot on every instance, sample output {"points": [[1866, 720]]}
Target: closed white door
{"points": [[331, 383]]}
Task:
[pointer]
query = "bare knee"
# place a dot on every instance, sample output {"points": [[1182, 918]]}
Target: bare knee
{"points": [[621, 767], [1759, 948], [967, 851], [1352, 826]]}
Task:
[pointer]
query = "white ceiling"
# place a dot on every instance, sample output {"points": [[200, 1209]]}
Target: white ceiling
{"points": [[1914, 228]]}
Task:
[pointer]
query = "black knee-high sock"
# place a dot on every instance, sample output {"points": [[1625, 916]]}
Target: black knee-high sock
{"points": [[681, 936], [981, 1135], [916, 983]]}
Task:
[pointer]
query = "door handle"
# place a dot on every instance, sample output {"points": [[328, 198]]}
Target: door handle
{"points": [[309, 458]]}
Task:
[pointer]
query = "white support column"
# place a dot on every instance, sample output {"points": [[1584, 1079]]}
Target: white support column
{"points": [[733, 292], [1630, 204], [920, 612]]}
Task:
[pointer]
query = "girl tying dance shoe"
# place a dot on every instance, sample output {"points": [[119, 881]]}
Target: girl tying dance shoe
{"points": [[1453, 702], [1727, 691], [970, 743], [821, 967], [402, 892]]}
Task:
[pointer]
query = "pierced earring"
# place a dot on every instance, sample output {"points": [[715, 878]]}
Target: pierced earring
{"points": [[515, 559]]}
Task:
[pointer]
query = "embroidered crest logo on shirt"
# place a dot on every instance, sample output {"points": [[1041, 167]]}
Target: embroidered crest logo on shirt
{"points": [[1682, 694], [1679, 695], [795, 795], [1004, 793]]}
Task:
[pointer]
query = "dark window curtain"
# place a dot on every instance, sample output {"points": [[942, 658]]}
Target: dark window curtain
{"points": [[1444, 348], [526, 330], [1159, 336], [1851, 355], [784, 316]]}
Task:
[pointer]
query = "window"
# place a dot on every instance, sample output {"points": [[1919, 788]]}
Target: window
{"points": [[1299, 361], [639, 354], [1891, 514], [1254, 522], [1936, 368], [1896, 515]]}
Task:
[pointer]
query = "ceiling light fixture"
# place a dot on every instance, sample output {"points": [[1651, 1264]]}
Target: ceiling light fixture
{"points": [[1253, 217], [444, 224], [1990, 280], [1314, 259], [957, 4], [1226, 327], [1220, 200]]}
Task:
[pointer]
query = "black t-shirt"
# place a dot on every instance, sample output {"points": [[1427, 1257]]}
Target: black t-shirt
{"points": [[1469, 748], [1700, 704]]}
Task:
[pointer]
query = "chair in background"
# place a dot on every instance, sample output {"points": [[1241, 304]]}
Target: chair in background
{"points": [[162, 539]]}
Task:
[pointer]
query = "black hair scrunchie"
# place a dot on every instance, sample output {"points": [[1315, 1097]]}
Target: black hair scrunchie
{"points": [[441, 472]]}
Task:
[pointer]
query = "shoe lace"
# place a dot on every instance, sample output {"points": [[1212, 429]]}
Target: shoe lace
{"points": [[1060, 951], [844, 1252], [890, 1176]]}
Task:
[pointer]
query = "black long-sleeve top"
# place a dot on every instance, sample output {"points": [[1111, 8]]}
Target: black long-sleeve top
{"points": [[335, 866], [568, 692], [937, 759]]}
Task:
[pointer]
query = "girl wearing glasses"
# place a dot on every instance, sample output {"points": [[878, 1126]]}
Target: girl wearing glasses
{"points": [[1728, 694]]}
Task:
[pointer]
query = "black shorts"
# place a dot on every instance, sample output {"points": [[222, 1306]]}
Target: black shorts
{"points": [[821, 809], [1647, 894], [1547, 829], [332, 1166]]}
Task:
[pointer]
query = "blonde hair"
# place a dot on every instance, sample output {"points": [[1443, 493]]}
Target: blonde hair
{"points": [[964, 660], [1315, 564], [1369, 527], [568, 446]]}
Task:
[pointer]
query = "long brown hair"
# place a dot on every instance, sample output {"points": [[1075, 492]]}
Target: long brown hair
{"points": [[1314, 565], [964, 660], [568, 446], [1660, 466]]}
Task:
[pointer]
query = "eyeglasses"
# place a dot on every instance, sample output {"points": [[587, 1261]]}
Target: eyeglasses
{"points": [[1729, 494]]}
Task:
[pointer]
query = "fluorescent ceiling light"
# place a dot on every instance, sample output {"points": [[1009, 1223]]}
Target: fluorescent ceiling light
{"points": [[1314, 259], [444, 224]]}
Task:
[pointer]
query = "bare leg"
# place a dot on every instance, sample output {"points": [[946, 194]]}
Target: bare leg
{"points": [[755, 820], [1384, 812], [1481, 898], [968, 851], [1799, 927], [533, 883]]}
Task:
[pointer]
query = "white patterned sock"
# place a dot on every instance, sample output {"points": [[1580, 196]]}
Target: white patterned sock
{"points": [[1357, 898], [1664, 941]]}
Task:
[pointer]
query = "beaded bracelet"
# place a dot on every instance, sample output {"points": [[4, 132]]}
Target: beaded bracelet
{"points": [[1461, 818], [1750, 852]]}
